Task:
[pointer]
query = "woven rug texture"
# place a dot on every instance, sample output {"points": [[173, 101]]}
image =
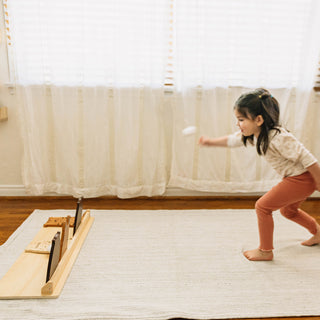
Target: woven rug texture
{"points": [[161, 264]]}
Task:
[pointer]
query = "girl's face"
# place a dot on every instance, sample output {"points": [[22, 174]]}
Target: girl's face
{"points": [[247, 125]]}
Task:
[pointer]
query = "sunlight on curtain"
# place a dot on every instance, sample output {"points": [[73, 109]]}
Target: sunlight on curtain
{"points": [[106, 87], [241, 43], [90, 43], [89, 78], [227, 48]]}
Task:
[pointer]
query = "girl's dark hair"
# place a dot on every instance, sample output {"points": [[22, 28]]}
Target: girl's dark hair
{"points": [[253, 104]]}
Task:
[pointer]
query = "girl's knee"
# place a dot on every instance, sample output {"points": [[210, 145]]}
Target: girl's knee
{"points": [[262, 207], [283, 211], [258, 205], [288, 212]]}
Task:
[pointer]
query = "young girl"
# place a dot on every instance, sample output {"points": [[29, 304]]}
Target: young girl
{"points": [[257, 113]]}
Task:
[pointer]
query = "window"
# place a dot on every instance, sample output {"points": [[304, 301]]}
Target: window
{"points": [[242, 43], [92, 42], [185, 43]]}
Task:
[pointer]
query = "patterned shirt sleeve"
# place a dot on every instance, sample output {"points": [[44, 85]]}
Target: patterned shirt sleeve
{"points": [[292, 149]]}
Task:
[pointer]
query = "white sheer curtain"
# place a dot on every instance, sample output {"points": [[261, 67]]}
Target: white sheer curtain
{"points": [[227, 48], [89, 77]]}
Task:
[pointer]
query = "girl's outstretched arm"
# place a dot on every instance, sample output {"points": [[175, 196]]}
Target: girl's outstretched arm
{"points": [[215, 142], [314, 169]]}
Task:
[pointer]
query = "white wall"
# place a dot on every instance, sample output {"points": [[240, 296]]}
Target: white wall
{"points": [[10, 141], [10, 148]]}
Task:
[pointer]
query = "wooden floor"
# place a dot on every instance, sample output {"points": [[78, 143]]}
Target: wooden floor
{"points": [[14, 210]]}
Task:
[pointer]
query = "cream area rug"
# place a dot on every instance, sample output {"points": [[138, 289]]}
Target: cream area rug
{"points": [[163, 264]]}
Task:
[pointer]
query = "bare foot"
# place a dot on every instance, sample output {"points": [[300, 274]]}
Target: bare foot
{"points": [[258, 255], [315, 239]]}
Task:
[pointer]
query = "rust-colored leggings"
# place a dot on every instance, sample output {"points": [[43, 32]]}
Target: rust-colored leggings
{"points": [[287, 195]]}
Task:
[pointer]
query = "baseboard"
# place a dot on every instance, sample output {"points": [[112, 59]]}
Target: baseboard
{"points": [[19, 191], [12, 190], [179, 192]]}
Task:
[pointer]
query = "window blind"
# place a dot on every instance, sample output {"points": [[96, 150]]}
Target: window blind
{"points": [[92, 43], [175, 43], [241, 43]]}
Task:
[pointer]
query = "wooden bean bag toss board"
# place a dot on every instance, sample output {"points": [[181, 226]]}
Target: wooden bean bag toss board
{"points": [[43, 268]]}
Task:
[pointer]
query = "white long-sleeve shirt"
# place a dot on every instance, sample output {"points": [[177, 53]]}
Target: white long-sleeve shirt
{"points": [[286, 154]]}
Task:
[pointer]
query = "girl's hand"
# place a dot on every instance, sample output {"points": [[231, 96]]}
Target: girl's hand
{"points": [[204, 141]]}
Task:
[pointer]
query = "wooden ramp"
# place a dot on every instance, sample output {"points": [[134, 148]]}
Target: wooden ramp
{"points": [[26, 279]]}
